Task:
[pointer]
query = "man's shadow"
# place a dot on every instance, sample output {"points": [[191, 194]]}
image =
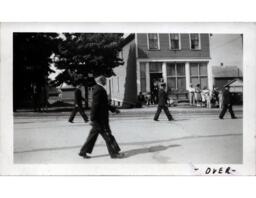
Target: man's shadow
{"points": [[151, 149]]}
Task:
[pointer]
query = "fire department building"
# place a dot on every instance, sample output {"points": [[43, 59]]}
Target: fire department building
{"points": [[179, 60]]}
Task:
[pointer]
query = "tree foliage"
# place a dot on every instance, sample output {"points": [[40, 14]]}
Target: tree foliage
{"points": [[31, 61], [32, 53], [82, 54]]}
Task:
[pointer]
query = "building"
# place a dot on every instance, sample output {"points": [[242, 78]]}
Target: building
{"points": [[177, 59], [236, 89], [222, 75]]}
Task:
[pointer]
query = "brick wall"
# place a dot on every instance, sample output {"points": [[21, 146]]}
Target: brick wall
{"points": [[165, 52]]}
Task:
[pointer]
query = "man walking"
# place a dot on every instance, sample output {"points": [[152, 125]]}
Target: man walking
{"points": [[78, 105], [162, 103], [100, 121], [227, 104]]}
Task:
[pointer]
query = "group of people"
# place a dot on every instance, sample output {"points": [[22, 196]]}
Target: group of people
{"points": [[225, 101], [205, 98], [99, 115], [150, 98]]}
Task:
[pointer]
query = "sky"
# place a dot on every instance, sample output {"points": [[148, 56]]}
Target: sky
{"points": [[226, 49]]}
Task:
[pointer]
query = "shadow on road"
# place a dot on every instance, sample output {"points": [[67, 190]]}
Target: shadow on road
{"points": [[151, 149], [144, 150]]}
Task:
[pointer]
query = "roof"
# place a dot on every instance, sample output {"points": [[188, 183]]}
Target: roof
{"points": [[127, 40], [226, 72], [234, 83], [66, 86]]}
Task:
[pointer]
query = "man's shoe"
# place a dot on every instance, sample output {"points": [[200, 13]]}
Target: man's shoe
{"points": [[84, 155], [156, 119], [234, 118], [117, 156], [221, 118], [70, 121]]}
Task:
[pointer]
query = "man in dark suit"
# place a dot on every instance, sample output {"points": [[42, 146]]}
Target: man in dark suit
{"points": [[100, 121], [227, 104], [162, 103], [78, 105]]}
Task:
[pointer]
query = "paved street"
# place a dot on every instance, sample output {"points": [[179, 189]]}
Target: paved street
{"points": [[196, 136]]}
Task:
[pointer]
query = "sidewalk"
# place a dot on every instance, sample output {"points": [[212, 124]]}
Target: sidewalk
{"points": [[133, 111]]}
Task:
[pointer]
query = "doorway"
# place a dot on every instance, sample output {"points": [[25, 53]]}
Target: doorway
{"points": [[155, 80]]}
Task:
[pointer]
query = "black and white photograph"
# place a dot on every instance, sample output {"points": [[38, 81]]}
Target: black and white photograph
{"points": [[113, 102]]}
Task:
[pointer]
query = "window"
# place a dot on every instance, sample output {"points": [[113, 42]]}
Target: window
{"points": [[153, 42], [198, 74], [175, 41], [195, 41], [143, 77], [176, 77]]}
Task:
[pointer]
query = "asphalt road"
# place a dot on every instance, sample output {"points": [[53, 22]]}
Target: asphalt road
{"points": [[194, 137]]}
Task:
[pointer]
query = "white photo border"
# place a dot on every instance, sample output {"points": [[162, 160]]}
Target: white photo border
{"points": [[7, 166]]}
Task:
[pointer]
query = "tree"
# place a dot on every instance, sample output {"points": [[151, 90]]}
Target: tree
{"points": [[85, 54], [31, 62]]}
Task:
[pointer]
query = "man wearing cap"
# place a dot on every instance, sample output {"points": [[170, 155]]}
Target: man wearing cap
{"points": [[162, 103], [227, 104], [100, 121]]}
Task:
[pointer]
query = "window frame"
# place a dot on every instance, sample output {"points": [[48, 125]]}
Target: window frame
{"points": [[199, 42], [170, 43], [158, 41], [176, 76], [199, 76]]}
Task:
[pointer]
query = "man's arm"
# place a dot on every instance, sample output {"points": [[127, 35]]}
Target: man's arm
{"points": [[95, 104]]}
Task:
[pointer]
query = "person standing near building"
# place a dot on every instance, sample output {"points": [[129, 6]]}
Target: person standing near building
{"points": [[162, 103], [155, 89], [148, 99], [227, 104], [215, 96], [100, 122], [198, 97], [78, 105], [220, 96], [141, 100], [191, 95]]}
